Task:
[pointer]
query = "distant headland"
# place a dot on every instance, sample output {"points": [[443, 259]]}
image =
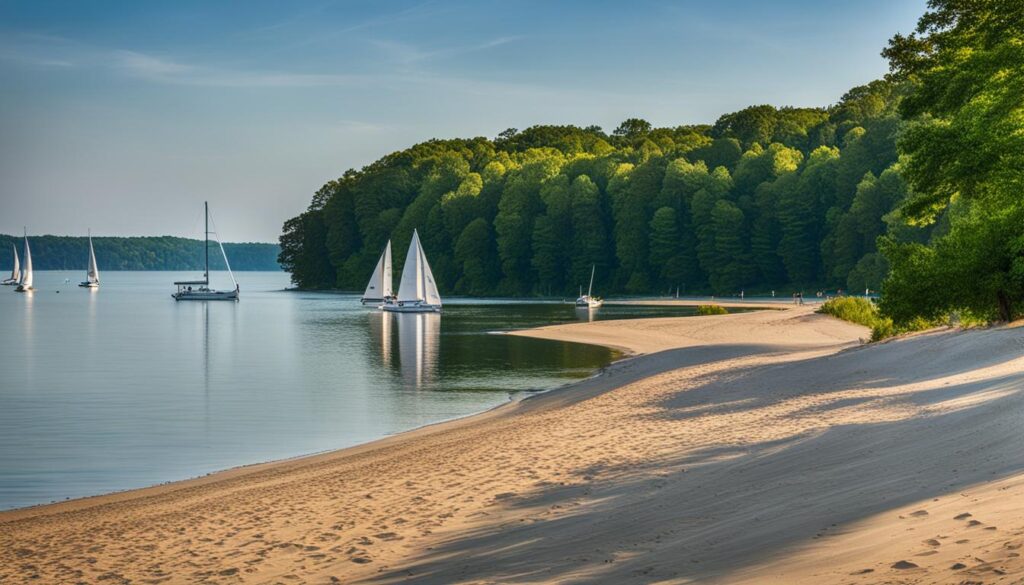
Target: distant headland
{"points": [[138, 253]]}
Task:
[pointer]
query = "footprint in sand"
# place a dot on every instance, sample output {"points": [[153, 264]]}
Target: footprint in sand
{"points": [[902, 565], [974, 523], [963, 516], [958, 566], [932, 542]]}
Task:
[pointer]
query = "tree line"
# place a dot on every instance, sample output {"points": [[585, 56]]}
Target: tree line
{"points": [[136, 253], [765, 198]]}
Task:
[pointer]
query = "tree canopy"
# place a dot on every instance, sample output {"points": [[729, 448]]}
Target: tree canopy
{"points": [[765, 198], [963, 156]]}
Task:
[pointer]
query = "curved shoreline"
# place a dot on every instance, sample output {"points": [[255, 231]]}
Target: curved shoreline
{"points": [[628, 352], [625, 351], [717, 455]]}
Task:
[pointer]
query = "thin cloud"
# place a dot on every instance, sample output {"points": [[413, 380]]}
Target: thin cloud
{"points": [[408, 54]]}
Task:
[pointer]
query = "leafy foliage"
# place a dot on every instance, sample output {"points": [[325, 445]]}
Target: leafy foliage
{"points": [[764, 198], [711, 310], [863, 312], [964, 159]]}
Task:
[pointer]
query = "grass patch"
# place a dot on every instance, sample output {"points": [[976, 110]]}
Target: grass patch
{"points": [[711, 310], [863, 312]]}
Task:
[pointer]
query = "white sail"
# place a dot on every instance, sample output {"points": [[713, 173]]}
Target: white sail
{"points": [[220, 245], [430, 294], [26, 274], [93, 275], [411, 286], [16, 272], [387, 283], [379, 286]]}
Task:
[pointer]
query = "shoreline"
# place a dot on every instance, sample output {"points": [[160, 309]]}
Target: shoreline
{"points": [[625, 353], [511, 398], [724, 453]]}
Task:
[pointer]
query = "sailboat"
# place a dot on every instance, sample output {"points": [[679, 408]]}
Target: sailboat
{"points": [[417, 291], [92, 275], [25, 282], [379, 289], [15, 272], [586, 300], [202, 290]]}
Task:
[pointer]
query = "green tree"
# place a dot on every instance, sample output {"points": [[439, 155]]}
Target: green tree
{"points": [[963, 157]]}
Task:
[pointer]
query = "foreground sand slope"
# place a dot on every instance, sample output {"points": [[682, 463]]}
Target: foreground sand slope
{"points": [[766, 447]]}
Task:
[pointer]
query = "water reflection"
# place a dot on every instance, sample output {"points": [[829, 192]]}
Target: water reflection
{"points": [[418, 337], [380, 334], [587, 314]]}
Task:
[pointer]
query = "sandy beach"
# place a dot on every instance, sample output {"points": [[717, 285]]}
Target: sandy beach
{"points": [[759, 447]]}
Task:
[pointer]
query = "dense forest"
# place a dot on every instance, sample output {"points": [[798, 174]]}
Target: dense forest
{"points": [[911, 183], [765, 198], [137, 253]]}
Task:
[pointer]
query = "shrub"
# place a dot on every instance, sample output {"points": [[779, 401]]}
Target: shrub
{"points": [[852, 309], [711, 310], [863, 312]]}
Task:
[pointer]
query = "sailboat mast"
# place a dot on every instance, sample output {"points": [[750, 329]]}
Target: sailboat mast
{"points": [[206, 240], [590, 288]]}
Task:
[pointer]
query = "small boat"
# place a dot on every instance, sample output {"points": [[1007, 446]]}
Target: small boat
{"points": [[15, 272], [379, 289], [199, 290], [417, 291], [92, 275], [25, 282], [586, 300]]}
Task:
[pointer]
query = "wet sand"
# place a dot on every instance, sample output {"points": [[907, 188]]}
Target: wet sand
{"points": [[757, 447]]}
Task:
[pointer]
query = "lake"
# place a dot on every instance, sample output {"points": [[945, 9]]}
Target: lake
{"points": [[122, 387]]}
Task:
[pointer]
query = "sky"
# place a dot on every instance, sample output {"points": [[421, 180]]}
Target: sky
{"points": [[123, 117]]}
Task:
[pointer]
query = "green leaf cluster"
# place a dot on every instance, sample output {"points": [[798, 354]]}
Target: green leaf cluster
{"points": [[963, 156]]}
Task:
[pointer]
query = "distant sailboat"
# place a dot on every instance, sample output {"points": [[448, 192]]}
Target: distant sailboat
{"points": [[587, 300], [202, 290], [92, 275], [15, 272], [379, 289], [417, 291], [25, 282]]}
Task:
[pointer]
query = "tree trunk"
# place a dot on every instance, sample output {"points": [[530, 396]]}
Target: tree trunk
{"points": [[1005, 306]]}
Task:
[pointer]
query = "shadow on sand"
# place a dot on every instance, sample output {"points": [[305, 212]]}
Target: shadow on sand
{"points": [[703, 514]]}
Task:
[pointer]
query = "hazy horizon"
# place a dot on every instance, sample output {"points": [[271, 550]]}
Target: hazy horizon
{"points": [[124, 117]]}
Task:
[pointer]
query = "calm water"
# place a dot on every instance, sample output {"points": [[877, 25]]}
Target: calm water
{"points": [[123, 387]]}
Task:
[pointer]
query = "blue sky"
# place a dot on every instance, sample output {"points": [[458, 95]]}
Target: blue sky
{"points": [[125, 116]]}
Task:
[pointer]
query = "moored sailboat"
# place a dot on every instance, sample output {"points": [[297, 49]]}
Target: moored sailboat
{"points": [[202, 290], [417, 291], [92, 274], [380, 289], [15, 272], [25, 282], [587, 300]]}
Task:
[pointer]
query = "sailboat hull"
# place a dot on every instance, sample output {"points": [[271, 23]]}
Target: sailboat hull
{"points": [[206, 295], [89, 284], [415, 307], [24, 289]]}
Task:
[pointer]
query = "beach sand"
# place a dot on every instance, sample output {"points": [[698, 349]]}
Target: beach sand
{"points": [[762, 447]]}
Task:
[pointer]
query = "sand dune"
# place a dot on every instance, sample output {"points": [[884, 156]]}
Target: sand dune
{"points": [[756, 447]]}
